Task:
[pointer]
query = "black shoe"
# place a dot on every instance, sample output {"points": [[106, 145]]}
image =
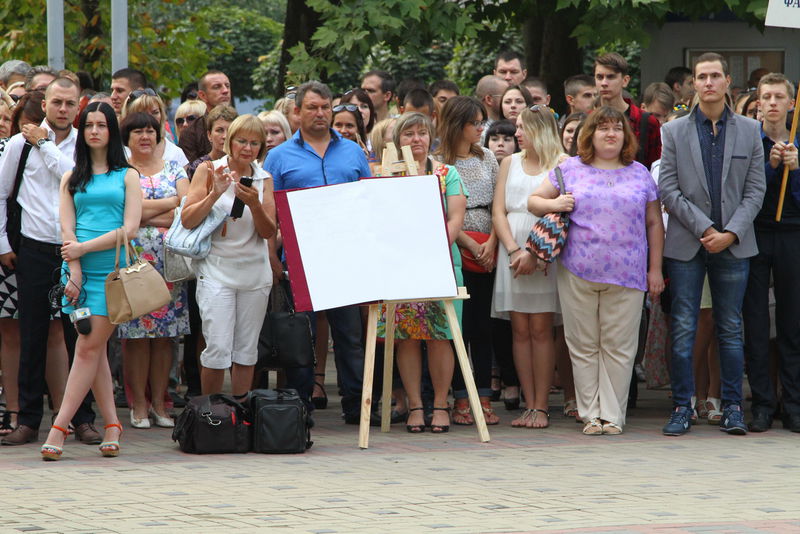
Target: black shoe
{"points": [[791, 421], [762, 421], [177, 400], [355, 419]]}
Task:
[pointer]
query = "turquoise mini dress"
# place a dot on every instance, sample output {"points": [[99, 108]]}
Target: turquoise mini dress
{"points": [[98, 210]]}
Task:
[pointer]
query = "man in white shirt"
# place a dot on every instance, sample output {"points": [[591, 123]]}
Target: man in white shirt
{"points": [[38, 257]]}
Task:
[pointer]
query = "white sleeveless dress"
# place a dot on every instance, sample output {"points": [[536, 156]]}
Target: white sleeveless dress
{"points": [[531, 293]]}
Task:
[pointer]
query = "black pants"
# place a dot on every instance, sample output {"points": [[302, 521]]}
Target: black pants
{"points": [[477, 334], [35, 277], [779, 253], [190, 364], [504, 352]]}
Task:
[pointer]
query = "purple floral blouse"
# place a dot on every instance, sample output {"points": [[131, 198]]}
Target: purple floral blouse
{"points": [[607, 241]]}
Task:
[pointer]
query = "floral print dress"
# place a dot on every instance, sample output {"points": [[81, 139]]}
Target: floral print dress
{"points": [[427, 320], [173, 319]]}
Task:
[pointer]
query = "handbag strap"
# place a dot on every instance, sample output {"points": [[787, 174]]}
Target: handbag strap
{"points": [[560, 178], [23, 160], [116, 256]]}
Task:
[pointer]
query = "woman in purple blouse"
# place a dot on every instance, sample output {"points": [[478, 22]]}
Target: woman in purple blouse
{"points": [[612, 256]]}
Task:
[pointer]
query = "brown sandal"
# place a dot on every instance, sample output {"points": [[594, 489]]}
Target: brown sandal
{"points": [[489, 416]]}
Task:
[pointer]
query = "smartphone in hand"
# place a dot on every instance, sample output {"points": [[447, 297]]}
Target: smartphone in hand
{"points": [[238, 206]]}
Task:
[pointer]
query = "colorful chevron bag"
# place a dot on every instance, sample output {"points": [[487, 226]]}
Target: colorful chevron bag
{"points": [[549, 235]]}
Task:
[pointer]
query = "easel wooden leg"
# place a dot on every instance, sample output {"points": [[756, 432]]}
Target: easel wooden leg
{"points": [[388, 366], [369, 369], [466, 371]]}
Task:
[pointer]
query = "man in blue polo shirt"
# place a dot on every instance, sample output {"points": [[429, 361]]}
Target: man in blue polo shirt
{"points": [[317, 155]]}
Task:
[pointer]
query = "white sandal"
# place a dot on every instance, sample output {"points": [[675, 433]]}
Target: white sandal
{"points": [[593, 427], [714, 413]]}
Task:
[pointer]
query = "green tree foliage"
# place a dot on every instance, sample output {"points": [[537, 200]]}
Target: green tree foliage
{"points": [[352, 28], [236, 39], [167, 52]]}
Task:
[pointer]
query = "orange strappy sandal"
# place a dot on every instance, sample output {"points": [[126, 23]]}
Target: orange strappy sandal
{"points": [[52, 452], [110, 449]]}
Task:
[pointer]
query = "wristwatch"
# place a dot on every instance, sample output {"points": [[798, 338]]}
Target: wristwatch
{"points": [[40, 143]]}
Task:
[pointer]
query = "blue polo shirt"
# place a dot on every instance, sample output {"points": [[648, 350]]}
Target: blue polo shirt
{"points": [[295, 164]]}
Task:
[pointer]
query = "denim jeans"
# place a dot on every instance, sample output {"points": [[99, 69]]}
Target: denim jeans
{"points": [[727, 278]]}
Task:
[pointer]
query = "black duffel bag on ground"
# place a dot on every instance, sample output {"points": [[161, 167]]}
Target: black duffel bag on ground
{"points": [[285, 340], [213, 424], [281, 423]]}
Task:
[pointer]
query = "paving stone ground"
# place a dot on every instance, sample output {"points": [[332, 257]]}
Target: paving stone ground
{"points": [[553, 480]]}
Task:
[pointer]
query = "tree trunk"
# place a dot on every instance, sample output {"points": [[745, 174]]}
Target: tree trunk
{"points": [[92, 53], [550, 52], [300, 24]]}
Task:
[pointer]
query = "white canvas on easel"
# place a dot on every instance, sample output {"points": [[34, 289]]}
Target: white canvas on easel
{"points": [[375, 239]]}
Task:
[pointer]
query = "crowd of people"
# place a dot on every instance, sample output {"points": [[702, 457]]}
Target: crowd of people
{"points": [[673, 203]]}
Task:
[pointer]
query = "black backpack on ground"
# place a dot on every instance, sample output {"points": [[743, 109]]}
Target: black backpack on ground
{"points": [[281, 422], [213, 424]]}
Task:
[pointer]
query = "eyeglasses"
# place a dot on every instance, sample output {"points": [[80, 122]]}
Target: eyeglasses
{"points": [[140, 92], [189, 119], [291, 92], [349, 107], [478, 124]]}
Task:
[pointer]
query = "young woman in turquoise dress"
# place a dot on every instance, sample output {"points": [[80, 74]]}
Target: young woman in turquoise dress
{"points": [[99, 195]]}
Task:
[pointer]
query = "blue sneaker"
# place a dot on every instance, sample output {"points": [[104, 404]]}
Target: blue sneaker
{"points": [[680, 421], [732, 420]]}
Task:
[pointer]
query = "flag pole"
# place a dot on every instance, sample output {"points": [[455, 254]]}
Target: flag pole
{"points": [[785, 181]]}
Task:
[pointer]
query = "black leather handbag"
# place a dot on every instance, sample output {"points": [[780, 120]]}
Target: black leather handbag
{"points": [[285, 340], [281, 423], [213, 424]]}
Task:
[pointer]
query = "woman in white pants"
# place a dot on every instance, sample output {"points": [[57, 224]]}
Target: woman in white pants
{"points": [[234, 280]]}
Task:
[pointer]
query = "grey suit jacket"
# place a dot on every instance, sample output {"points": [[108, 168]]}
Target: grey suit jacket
{"points": [[684, 189]]}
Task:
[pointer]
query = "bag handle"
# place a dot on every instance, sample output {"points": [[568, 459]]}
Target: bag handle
{"points": [[116, 256], [560, 178]]}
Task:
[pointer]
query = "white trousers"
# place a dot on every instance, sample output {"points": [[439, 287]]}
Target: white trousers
{"points": [[601, 326], [232, 320]]}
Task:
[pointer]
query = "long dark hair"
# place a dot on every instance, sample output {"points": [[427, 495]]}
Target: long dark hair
{"points": [[457, 112], [362, 134], [362, 96], [115, 154]]}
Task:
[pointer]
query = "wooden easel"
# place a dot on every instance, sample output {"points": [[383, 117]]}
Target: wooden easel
{"points": [[393, 166]]}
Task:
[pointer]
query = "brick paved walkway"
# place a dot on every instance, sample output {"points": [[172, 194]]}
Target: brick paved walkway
{"points": [[553, 480]]}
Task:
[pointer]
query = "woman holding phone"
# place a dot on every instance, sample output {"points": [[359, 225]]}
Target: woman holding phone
{"points": [[234, 280]]}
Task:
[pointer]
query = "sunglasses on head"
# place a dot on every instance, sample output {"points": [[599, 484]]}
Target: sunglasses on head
{"points": [[140, 92], [15, 98], [540, 107], [348, 107], [291, 92], [188, 119]]}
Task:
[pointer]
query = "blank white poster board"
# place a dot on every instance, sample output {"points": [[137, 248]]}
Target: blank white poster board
{"points": [[375, 239], [783, 13]]}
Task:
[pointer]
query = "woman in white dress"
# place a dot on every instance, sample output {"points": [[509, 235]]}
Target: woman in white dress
{"points": [[522, 288]]}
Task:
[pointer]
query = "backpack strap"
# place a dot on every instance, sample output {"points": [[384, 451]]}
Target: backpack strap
{"points": [[644, 125]]}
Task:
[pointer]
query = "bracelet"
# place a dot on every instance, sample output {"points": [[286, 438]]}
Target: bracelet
{"points": [[513, 251]]}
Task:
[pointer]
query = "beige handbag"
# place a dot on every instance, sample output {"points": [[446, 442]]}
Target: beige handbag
{"points": [[135, 290]]}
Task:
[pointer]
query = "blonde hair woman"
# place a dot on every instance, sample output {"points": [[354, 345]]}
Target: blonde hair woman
{"points": [[521, 289], [187, 113], [234, 280], [276, 128], [147, 101]]}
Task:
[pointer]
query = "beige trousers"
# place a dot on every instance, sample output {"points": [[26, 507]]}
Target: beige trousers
{"points": [[601, 326]]}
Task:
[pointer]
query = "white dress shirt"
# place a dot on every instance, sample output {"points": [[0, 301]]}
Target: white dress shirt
{"points": [[39, 192]]}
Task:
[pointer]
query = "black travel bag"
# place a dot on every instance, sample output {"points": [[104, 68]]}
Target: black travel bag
{"points": [[281, 422], [213, 424]]}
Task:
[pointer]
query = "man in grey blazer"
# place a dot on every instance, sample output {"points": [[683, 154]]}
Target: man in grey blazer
{"points": [[712, 185]]}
